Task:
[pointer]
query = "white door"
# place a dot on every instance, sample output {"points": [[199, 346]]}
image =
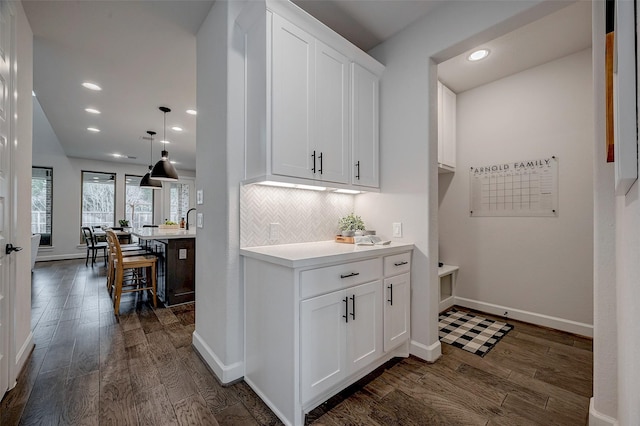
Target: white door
{"points": [[332, 115], [323, 321], [364, 127], [364, 330], [6, 60], [396, 310], [292, 94]]}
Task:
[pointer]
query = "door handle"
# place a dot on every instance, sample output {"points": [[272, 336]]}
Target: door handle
{"points": [[10, 248], [346, 309]]}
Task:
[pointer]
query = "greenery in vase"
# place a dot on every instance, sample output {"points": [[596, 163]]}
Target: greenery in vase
{"points": [[123, 222], [351, 222]]}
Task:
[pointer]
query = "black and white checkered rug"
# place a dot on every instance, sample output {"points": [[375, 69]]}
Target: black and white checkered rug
{"points": [[470, 332]]}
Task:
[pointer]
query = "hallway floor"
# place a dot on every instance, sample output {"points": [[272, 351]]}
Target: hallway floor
{"points": [[92, 368]]}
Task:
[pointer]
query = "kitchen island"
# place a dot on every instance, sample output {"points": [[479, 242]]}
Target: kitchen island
{"points": [[319, 316], [176, 252]]}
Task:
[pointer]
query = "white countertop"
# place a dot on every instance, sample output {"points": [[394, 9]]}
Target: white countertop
{"points": [[163, 234], [319, 253]]}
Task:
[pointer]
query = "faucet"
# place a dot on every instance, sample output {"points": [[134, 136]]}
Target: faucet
{"points": [[188, 211]]}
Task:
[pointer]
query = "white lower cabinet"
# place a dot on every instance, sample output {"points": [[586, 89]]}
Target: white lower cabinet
{"points": [[340, 334], [314, 326]]}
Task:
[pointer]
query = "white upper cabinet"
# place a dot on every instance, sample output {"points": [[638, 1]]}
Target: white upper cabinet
{"points": [[446, 129], [304, 122], [331, 138], [292, 99], [364, 127]]}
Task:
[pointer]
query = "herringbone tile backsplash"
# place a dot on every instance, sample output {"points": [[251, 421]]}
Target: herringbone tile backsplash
{"points": [[303, 215]]}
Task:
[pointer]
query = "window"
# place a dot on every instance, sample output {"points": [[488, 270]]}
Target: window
{"points": [[179, 201], [138, 202], [42, 203], [98, 199]]}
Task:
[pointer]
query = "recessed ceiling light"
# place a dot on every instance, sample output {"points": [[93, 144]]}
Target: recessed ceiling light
{"points": [[165, 141], [93, 129], [96, 178], [192, 112], [117, 155], [478, 54], [92, 111], [177, 128], [91, 86], [173, 161]]}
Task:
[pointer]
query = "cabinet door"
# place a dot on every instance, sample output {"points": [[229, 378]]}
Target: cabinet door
{"points": [[322, 343], [446, 127], [332, 114], [364, 330], [292, 99], [396, 310], [364, 127]]}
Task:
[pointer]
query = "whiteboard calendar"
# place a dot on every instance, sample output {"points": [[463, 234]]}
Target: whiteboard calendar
{"points": [[519, 188]]}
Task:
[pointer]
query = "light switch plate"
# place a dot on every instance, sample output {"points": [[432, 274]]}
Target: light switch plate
{"points": [[397, 229], [199, 220], [199, 196], [182, 254]]}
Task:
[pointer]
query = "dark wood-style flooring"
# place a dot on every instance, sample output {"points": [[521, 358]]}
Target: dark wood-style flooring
{"points": [[92, 368]]}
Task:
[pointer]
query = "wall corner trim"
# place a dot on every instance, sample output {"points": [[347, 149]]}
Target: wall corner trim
{"points": [[598, 419], [428, 353], [23, 354], [225, 373]]}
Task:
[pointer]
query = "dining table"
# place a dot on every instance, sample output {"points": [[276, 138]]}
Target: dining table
{"points": [[124, 236]]}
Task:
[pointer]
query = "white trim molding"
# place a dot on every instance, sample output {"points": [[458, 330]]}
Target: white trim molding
{"points": [[23, 353], [429, 353], [530, 317], [225, 373], [598, 419]]}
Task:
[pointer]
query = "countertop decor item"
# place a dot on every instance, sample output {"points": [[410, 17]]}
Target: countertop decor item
{"points": [[123, 223], [350, 224]]}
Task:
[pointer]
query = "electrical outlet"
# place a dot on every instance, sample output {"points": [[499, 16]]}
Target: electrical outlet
{"points": [[397, 229], [199, 220], [274, 231]]}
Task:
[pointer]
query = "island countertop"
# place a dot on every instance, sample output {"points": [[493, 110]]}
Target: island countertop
{"points": [[163, 234], [302, 255]]}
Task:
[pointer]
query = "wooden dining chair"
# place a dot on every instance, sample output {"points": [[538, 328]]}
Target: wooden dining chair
{"points": [[93, 247], [127, 273]]}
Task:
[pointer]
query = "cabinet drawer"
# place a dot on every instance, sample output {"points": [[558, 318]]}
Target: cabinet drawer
{"points": [[397, 264], [331, 278]]}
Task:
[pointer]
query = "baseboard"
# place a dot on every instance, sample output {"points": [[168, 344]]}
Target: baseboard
{"points": [[429, 353], [21, 359], [598, 419], [530, 317], [62, 257], [225, 373]]}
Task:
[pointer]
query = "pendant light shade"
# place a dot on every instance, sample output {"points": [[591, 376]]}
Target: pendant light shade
{"points": [[146, 181], [164, 170]]}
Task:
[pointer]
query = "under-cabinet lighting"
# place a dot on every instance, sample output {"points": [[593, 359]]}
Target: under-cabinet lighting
{"points": [[292, 185], [347, 191]]}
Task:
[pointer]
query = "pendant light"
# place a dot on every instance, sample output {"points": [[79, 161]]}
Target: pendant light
{"points": [[146, 181], [164, 170]]}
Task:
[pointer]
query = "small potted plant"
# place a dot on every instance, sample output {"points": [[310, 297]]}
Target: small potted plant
{"points": [[350, 225], [123, 223]]}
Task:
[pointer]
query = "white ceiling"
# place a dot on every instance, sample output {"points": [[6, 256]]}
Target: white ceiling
{"points": [[557, 35], [143, 54]]}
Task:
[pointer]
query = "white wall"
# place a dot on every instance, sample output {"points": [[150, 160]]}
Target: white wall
{"points": [[408, 144], [67, 175], [220, 164], [542, 266], [21, 339]]}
